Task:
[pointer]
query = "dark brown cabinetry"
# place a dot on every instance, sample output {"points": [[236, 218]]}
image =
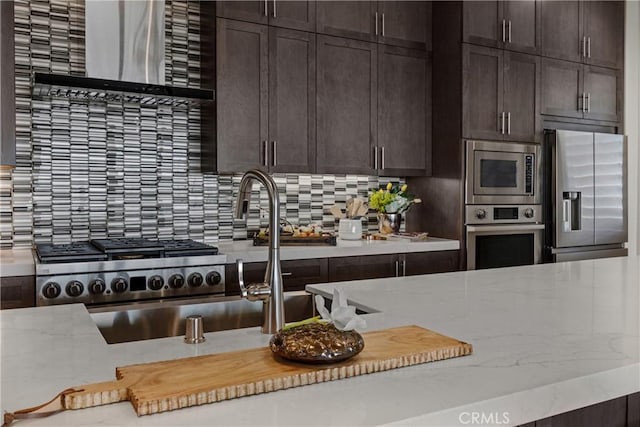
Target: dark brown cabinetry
{"points": [[501, 95], [242, 88], [586, 31], [510, 25], [380, 266], [17, 292], [399, 23], [404, 111], [297, 15], [581, 91], [266, 83], [374, 108], [296, 274], [347, 81]]}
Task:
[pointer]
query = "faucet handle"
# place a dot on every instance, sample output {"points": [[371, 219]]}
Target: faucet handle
{"points": [[253, 291], [243, 289]]}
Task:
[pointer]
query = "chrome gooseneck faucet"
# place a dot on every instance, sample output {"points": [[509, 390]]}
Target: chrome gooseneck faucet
{"points": [[270, 292]]}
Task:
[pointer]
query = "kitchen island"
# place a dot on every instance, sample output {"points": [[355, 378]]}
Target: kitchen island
{"points": [[547, 339]]}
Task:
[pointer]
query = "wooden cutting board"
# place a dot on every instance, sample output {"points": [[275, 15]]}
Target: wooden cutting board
{"points": [[173, 384]]}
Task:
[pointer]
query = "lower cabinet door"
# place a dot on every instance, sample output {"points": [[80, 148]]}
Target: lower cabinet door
{"points": [[363, 267], [295, 274], [430, 262]]}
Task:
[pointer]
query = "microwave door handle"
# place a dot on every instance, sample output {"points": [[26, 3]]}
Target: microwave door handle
{"points": [[566, 215]]}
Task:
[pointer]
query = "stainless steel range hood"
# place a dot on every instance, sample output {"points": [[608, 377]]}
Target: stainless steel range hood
{"points": [[125, 46]]}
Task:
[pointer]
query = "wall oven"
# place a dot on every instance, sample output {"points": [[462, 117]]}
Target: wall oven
{"points": [[503, 236], [503, 173]]}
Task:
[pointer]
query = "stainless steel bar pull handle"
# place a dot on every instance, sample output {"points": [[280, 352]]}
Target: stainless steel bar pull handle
{"points": [[265, 153], [397, 268], [588, 102], [376, 18], [404, 267], [588, 47], [266, 7], [584, 46], [502, 123], [382, 158], [504, 30], [383, 25], [375, 158], [509, 123], [509, 31], [274, 158]]}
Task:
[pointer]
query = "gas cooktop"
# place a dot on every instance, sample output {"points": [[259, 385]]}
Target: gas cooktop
{"points": [[121, 248]]}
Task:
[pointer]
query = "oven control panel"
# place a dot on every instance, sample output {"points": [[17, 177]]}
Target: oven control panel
{"points": [[130, 285], [503, 214]]}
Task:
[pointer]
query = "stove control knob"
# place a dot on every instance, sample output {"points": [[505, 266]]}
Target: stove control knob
{"points": [[51, 290], [74, 288], [119, 285], [97, 286], [213, 278], [195, 280], [481, 213], [176, 281], [528, 213], [156, 282]]}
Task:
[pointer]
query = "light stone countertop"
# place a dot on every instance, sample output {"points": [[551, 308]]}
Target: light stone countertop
{"points": [[17, 262], [547, 339], [20, 262], [244, 249]]}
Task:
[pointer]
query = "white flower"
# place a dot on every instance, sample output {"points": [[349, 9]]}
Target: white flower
{"points": [[342, 316]]}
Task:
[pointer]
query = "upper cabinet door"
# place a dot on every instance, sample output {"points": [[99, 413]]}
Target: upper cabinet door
{"points": [[404, 110], [522, 26], [242, 95], [561, 25], [297, 15], [292, 100], [604, 29], [562, 88], [483, 115], [603, 87], [522, 97], [250, 11], [405, 23], [353, 19], [483, 23], [347, 82]]}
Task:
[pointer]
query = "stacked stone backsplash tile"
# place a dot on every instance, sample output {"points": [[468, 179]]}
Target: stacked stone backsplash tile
{"points": [[94, 169]]}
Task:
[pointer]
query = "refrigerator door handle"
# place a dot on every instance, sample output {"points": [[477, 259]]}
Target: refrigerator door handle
{"points": [[566, 215]]}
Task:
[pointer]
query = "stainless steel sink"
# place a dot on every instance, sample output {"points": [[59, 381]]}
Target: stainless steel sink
{"points": [[135, 322]]}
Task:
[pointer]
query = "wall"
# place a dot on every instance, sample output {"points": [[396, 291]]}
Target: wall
{"points": [[94, 170], [632, 118]]}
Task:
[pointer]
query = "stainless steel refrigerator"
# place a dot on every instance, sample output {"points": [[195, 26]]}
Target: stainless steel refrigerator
{"points": [[585, 195]]}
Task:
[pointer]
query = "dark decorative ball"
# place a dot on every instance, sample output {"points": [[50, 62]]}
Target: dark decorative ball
{"points": [[316, 343]]}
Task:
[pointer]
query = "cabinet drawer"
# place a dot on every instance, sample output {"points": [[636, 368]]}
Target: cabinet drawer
{"points": [[296, 274], [430, 262], [362, 267], [17, 292]]}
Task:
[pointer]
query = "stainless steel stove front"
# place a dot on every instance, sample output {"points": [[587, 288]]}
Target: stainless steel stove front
{"points": [[104, 282]]}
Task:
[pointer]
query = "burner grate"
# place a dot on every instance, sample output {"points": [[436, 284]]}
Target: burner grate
{"points": [[73, 252], [187, 247]]}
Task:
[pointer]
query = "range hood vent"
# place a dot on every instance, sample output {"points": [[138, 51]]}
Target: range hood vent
{"points": [[88, 88]]}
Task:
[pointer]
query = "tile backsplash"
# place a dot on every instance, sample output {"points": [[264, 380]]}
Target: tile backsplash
{"points": [[108, 169]]}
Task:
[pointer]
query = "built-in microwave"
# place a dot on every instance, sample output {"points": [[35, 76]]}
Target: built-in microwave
{"points": [[502, 173]]}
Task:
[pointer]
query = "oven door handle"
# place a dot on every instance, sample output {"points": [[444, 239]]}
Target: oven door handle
{"points": [[503, 228]]}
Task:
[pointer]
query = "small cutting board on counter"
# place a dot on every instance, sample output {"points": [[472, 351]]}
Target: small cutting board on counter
{"points": [[174, 384]]}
